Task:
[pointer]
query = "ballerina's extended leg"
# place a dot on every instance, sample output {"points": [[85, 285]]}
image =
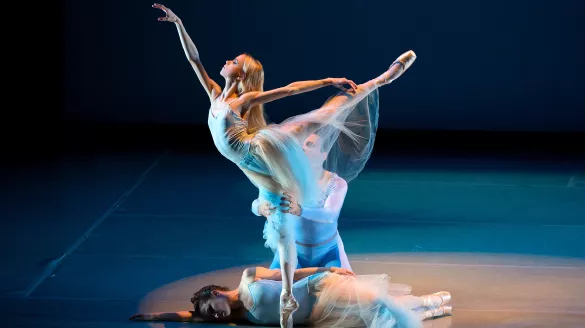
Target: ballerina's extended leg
{"points": [[308, 123]]}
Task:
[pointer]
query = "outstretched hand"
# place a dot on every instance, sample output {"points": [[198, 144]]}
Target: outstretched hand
{"points": [[339, 82], [170, 15]]}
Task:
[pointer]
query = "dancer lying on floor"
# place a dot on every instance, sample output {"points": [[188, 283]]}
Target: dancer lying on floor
{"points": [[329, 297]]}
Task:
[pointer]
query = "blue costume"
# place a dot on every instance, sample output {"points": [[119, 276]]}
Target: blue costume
{"points": [[318, 241], [331, 300]]}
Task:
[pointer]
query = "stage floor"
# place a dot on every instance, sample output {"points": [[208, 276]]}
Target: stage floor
{"points": [[89, 240]]}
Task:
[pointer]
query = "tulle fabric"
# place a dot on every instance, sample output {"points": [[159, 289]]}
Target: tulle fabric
{"points": [[346, 126], [363, 301], [348, 123]]}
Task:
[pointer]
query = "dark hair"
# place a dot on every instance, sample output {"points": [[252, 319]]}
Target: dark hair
{"points": [[204, 294]]}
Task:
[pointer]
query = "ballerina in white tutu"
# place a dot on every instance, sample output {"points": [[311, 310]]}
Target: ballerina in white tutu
{"points": [[271, 155]]}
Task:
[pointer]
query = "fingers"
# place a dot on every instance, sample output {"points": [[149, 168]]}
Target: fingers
{"points": [[289, 197], [344, 272], [285, 207], [341, 87], [352, 84], [163, 19], [286, 199]]}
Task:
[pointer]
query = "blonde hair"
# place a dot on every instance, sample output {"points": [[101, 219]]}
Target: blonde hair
{"points": [[253, 81]]}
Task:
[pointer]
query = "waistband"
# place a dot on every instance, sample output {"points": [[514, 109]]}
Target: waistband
{"points": [[332, 238]]}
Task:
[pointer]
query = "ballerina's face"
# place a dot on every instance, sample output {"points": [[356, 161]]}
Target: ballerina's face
{"points": [[217, 308], [233, 68]]}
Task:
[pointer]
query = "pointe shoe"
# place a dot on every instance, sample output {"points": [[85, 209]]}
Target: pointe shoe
{"points": [[288, 306], [428, 299], [440, 311], [406, 60]]}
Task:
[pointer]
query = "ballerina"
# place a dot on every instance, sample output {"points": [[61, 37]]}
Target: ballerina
{"points": [[271, 156]]}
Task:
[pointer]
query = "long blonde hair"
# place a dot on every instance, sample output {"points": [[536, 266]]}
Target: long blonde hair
{"points": [[253, 81]]}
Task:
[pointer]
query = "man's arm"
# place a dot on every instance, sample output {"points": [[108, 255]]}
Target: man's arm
{"points": [[333, 204], [260, 273]]}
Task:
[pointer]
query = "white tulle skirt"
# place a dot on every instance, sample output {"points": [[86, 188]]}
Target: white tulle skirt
{"points": [[363, 301], [346, 127]]}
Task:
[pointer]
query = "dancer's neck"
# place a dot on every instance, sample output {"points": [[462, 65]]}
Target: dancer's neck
{"points": [[233, 296], [230, 89]]}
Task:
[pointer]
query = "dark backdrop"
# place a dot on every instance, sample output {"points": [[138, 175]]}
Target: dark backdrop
{"points": [[482, 65]]}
